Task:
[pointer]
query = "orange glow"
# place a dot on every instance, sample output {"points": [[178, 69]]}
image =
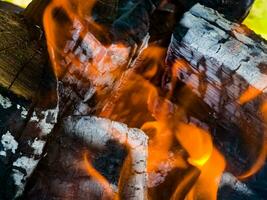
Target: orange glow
{"points": [[250, 94], [159, 146], [170, 138], [207, 184], [197, 142], [264, 111], [72, 22]]}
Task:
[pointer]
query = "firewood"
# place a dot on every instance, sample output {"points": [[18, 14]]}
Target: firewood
{"points": [[235, 188], [133, 186], [32, 107], [225, 61], [25, 126], [234, 10], [64, 162], [22, 58]]}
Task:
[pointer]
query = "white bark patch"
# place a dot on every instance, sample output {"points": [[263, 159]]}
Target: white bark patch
{"points": [[3, 153], [28, 164], [46, 125], [5, 102], [23, 113], [38, 146], [9, 143], [96, 132], [230, 180], [18, 180]]}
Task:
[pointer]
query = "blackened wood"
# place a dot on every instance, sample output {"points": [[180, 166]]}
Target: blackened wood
{"points": [[223, 59], [25, 126], [234, 10], [64, 166], [29, 102], [133, 25]]}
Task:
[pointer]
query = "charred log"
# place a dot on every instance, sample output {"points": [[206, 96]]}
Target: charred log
{"points": [[225, 62], [94, 135], [29, 102], [234, 10]]}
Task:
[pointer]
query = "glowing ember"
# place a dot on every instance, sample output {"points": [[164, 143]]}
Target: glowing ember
{"points": [[250, 94]]}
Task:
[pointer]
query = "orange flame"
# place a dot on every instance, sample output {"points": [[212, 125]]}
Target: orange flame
{"points": [[66, 24], [250, 94], [169, 125], [206, 186], [197, 142]]}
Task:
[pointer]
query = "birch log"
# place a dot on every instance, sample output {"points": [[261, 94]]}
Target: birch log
{"points": [[64, 162], [97, 132], [29, 102], [226, 68]]}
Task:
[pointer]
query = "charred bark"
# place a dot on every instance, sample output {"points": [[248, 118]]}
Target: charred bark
{"points": [[224, 61], [29, 102], [100, 137]]}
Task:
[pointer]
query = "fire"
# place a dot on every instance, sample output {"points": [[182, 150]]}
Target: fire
{"points": [[207, 184], [250, 94], [197, 142], [78, 54], [194, 140]]}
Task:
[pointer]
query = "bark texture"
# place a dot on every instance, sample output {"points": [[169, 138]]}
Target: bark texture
{"points": [[64, 165], [29, 101], [226, 67], [22, 55]]}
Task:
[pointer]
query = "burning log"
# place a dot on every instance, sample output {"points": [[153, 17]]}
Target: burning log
{"points": [[95, 133], [225, 67], [25, 126], [29, 101]]}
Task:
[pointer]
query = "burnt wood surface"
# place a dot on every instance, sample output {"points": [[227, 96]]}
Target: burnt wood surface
{"points": [[29, 102], [224, 61]]}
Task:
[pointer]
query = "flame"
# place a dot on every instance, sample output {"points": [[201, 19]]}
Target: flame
{"points": [[73, 45], [204, 156], [166, 125], [207, 184], [250, 94], [197, 142]]}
